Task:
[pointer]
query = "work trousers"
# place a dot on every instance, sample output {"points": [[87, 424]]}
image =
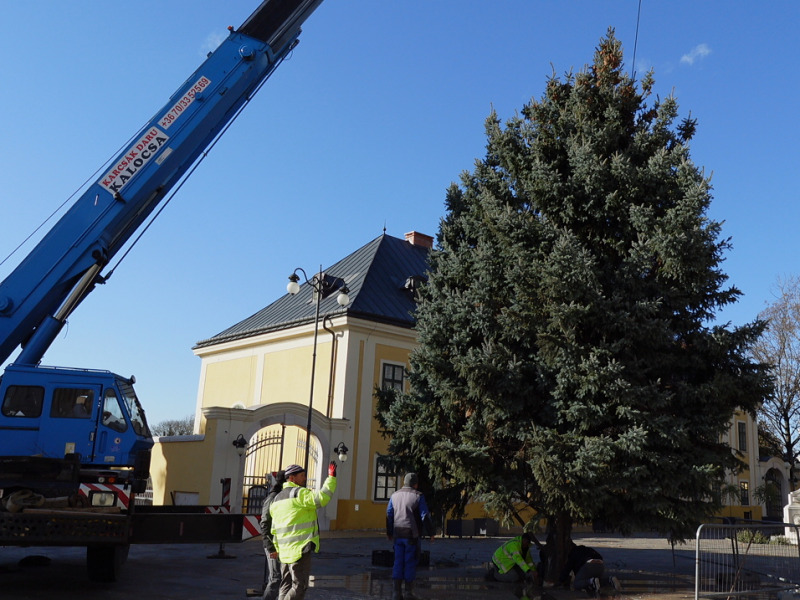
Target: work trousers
{"points": [[513, 574], [294, 578], [272, 585], [406, 555], [590, 569]]}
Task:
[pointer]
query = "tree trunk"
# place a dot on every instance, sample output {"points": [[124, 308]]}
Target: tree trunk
{"points": [[559, 532]]}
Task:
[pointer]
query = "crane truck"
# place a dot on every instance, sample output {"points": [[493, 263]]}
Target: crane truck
{"points": [[80, 435]]}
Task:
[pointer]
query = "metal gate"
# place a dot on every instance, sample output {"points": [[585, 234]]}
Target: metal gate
{"points": [[263, 456], [300, 457], [753, 560]]}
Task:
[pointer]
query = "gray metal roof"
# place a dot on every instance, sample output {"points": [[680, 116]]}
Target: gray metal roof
{"points": [[377, 275]]}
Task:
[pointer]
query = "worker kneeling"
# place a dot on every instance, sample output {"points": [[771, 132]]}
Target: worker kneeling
{"points": [[512, 561]]}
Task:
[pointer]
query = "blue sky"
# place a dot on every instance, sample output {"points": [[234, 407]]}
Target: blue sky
{"points": [[380, 107]]}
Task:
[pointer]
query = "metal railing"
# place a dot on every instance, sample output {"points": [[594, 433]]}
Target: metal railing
{"points": [[757, 560]]}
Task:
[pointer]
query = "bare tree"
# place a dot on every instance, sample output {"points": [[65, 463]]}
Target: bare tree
{"points": [[779, 346], [183, 426]]}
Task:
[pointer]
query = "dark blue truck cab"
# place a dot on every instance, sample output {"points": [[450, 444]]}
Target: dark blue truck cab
{"points": [[63, 413]]}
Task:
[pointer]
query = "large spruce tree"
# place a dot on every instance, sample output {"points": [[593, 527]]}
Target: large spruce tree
{"points": [[569, 357]]}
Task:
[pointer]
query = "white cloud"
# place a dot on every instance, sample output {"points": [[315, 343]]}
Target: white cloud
{"points": [[698, 52], [213, 41]]}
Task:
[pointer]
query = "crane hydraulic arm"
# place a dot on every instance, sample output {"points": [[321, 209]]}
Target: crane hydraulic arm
{"points": [[38, 296]]}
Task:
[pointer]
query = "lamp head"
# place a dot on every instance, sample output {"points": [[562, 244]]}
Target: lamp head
{"points": [[342, 451], [343, 299], [240, 444], [293, 287]]}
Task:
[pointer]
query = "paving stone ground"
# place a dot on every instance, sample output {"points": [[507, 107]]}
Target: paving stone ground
{"points": [[646, 565]]}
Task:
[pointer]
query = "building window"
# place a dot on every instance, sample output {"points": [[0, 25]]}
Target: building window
{"points": [[744, 493], [742, 435], [393, 377], [386, 480]]}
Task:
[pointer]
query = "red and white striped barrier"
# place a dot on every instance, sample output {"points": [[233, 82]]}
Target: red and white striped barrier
{"points": [[251, 526], [226, 491], [217, 510]]}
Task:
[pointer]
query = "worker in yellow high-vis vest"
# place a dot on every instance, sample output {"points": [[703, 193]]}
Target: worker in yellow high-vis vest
{"points": [[294, 528], [513, 561]]}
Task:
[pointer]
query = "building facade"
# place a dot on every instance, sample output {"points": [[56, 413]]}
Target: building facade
{"points": [[299, 362], [759, 490], [256, 381]]}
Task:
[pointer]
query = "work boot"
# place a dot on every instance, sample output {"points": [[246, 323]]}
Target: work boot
{"points": [[397, 592], [409, 595]]}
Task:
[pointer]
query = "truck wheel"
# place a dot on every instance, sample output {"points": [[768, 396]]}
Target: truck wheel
{"points": [[104, 562]]}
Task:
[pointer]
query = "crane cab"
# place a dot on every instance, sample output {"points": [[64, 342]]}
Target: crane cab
{"points": [[57, 413]]}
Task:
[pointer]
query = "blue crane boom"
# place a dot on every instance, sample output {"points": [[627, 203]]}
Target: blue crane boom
{"points": [[38, 296], [41, 408]]}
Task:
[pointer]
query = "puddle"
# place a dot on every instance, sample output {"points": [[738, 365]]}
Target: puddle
{"points": [[372, 584], [380, 586]]}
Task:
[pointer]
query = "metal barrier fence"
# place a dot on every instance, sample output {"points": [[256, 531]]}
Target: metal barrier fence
{"points": [[759, 561]]}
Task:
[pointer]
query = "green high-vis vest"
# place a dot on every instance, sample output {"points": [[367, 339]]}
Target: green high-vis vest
{"points": [[510, 554], [294, 518]]}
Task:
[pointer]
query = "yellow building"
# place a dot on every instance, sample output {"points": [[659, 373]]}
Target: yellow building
{"points": [[256, 381], [759, 490], [256, 388]]}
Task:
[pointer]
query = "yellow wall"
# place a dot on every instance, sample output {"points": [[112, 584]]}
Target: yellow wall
{"points": [[174, 468], [756, 512], [370, 515], [287, 376], [229, 382]]}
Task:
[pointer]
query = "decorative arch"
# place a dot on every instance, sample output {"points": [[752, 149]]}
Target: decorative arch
{"points": [[264, 428], [258, 425]]}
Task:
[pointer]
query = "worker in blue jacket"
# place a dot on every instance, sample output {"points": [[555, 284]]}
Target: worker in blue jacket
{"points": [[407, 517]]}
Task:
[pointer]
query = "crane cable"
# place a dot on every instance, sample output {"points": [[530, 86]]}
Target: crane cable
{"points": [[58, 208], [636, 41]]}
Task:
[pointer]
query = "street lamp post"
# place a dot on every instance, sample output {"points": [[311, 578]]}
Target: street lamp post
{"points": [[321, 287]]}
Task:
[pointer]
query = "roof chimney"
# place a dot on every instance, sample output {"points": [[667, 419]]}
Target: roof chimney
{"points": [[419, 239]]}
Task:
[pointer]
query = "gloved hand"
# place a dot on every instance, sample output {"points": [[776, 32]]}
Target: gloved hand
{"points": [[332, 469], [530, 576]]}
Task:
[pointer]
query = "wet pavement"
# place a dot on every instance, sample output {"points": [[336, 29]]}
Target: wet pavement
{"points": [[646, 565]]}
